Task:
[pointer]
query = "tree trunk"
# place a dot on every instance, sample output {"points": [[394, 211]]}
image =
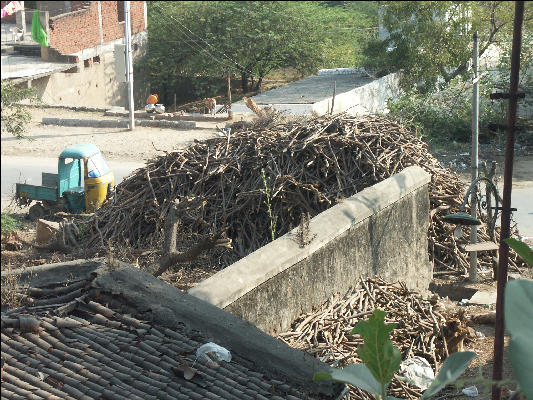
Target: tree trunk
{"points": [[259, 83], [244, 82], [171, 257]]}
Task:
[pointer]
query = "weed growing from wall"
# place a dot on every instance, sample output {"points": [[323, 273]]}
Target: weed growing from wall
{"points": [[273, 219]]}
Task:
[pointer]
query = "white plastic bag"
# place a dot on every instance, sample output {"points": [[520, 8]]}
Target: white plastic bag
{"points": [[470, 391], [417, 371], [212, 353]]}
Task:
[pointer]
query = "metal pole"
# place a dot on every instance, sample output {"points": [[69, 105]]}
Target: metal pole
{"points": [[230, 112], [497, 371], [129, 64], [475, 161]]}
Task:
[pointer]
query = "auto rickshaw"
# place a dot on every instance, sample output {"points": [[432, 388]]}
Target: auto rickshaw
{"points": [[82, 184]]}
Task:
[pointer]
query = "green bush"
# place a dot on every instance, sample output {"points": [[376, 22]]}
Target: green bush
{"points": [[15, 117], [447, 114], [9, 224]]}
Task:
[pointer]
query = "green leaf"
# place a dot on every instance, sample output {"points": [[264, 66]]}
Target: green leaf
{"points": [[451, 370], [378, 353], [521, 249], [356, 374], [519, 322]]}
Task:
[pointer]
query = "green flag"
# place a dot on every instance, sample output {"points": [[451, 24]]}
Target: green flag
{"points": [[37, 32]]}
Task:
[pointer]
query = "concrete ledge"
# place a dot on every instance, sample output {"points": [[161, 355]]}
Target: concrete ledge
{"points": [[118, 123], [370, 233], [66, 107], [169, 116]]}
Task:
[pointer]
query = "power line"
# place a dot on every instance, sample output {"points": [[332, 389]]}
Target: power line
{"points": [[224, 54], [202, 49]]}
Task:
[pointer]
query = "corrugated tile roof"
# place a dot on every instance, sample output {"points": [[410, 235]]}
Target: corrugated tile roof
{"points": [[76, 341]]}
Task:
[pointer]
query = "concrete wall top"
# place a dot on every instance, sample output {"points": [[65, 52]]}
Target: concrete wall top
{"points": [[367, 99], [241, 277]]}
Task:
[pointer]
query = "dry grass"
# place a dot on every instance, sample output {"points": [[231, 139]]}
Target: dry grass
{"points": [[10, 297]]}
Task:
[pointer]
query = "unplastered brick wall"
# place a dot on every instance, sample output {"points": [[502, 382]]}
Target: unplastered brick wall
{"points": [[113, 29], [79, 30], [74, 31]]}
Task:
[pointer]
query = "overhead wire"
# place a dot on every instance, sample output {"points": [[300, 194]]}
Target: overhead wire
{"points": [[200, 49], [242, 68]]}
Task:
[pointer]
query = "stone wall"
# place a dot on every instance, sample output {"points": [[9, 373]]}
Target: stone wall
{"points": [[381, 230]]}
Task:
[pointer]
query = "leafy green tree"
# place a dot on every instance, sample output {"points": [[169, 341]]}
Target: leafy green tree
{"points": [[253, 38], [15, 116], [209, 38], [431, 41]]}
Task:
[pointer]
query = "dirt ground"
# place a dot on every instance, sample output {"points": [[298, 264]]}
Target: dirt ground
{"points": [[451, 290], [116, 143]]}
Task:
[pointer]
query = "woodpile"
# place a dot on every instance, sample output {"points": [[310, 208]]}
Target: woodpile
{"points": [[309, 167], [421, 329]]}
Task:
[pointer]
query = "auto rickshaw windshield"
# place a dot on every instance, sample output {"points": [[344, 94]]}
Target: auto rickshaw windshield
{"points": [[96, 166]]}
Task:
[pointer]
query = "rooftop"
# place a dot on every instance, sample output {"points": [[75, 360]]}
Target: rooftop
{"points": [[91, 331], [80, 150], [27, 67]]}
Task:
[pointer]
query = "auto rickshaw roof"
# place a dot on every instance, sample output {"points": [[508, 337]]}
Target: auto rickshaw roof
{"points": [[81, 150]]}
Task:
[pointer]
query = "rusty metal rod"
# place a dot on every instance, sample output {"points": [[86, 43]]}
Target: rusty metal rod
{"points": [[497, 371]]}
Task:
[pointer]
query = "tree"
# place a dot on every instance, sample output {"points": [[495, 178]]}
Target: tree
{"points": [[431, 41], [14, 115], [252, 38]]}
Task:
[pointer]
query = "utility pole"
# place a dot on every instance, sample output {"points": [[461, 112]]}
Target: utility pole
{"points": [[230, 112], [475, 161], [129, 64], [497, 370]]}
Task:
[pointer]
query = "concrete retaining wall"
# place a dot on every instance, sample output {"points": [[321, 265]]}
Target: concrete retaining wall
{"points": [[380, 231], [367, 99]]}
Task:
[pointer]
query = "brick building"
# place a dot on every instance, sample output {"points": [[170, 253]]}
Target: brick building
{"points": [[83, 38]]}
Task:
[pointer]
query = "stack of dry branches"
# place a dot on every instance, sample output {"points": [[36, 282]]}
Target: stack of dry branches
{"points": [[420, 329], [308, 167]]}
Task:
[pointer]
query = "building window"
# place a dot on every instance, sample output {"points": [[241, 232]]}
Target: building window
{"points": [[120, 11]]}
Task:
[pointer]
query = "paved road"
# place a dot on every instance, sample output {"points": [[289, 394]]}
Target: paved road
{"points": [[28, 169], [522, 200], [522, 191]]}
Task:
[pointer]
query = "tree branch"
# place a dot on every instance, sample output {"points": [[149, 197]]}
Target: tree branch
{"points": [[171, 256]]}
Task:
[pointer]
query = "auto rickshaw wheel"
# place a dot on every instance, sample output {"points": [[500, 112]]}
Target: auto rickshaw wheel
{"points": [[36, 211]]}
